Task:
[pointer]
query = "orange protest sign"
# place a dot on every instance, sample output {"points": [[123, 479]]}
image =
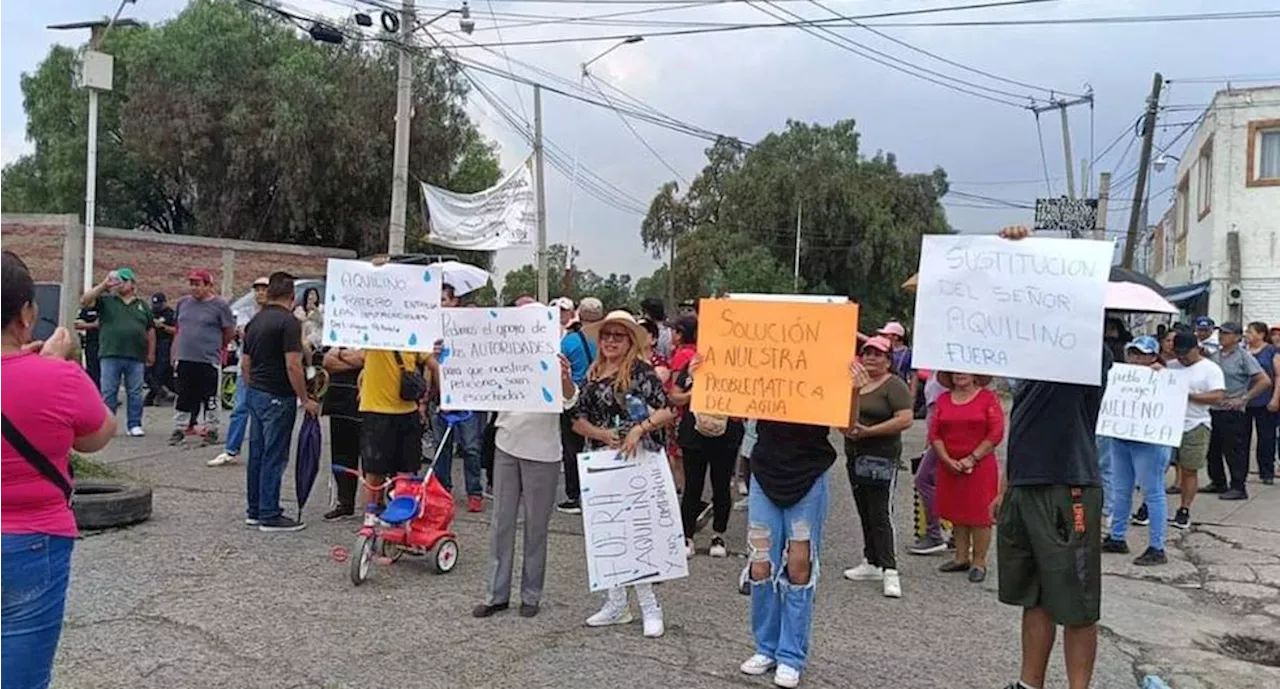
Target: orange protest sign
{"points": [[776, 360]]}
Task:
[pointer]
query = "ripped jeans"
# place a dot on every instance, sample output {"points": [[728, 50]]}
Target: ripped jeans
{"points": [[782, 612]]}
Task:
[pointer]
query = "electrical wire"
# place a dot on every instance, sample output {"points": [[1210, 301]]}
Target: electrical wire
{"points": [[636, 134]]}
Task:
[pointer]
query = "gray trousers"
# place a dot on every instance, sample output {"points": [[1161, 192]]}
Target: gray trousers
{"points": [[515, 481]]}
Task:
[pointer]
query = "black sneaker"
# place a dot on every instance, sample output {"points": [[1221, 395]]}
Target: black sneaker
{"points": [[1111, 545], [483, 610], [1213, 488], [1234, 494], [717, 548], [1150, 557], [176, 437], [280, 524], [1182, 520], [570, 507], [339, 513], [528, 610], [1141, 518]]}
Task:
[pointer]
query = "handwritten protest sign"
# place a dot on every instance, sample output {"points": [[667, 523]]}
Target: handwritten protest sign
{"points": [[501, 360], [1024, 309], [392, 306], [630, 519], [783, 361], [1143, 404]]}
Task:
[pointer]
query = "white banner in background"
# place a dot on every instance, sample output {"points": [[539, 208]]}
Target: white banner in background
{"points": [[1029, 309], [501, 360], [1143, 404], [503, 215], [392, 306], [630, 519]]}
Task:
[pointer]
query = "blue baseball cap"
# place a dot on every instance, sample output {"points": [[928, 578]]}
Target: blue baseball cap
{"points": [[1145, 344], [1204, 323]]}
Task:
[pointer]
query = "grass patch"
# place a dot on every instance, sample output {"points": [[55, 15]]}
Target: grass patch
{"points": [[83, 467]]}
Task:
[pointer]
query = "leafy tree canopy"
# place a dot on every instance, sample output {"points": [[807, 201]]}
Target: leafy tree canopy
{"points": [[226, 121], [614, 291], [861, 220]]}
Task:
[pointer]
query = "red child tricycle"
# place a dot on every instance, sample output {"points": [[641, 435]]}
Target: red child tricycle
{"points": [[418, 520]]}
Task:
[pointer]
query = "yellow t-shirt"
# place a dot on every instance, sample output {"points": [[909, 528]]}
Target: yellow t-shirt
{"points": [[380, 381]]}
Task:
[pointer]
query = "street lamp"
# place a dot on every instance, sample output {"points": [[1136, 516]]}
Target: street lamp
{"points": [[626, 41], [95, 74], [1160, 163]]}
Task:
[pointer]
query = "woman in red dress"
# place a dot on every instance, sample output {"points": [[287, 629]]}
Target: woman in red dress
{"points": [[967, 425]]}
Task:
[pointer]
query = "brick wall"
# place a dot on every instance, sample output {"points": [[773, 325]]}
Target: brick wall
{"points": [[160, 261]]}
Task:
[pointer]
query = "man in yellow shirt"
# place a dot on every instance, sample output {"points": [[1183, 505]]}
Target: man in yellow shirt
{"points": [[391, 427]]}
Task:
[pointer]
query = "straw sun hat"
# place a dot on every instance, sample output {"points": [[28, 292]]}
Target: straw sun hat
{"points": [[944, 379]]}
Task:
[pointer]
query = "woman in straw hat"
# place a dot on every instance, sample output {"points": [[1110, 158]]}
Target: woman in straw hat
{"points": [[623, 406], [966, 427]]}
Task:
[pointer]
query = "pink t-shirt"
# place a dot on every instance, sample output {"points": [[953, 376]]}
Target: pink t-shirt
{"points": [[50, 402]]}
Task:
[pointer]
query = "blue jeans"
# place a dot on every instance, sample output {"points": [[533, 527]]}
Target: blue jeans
{"points": [[1143, 464], [132, 371], [239, 420], [782, 612], [270, 431], [33, 593], [469, 435], [1107, 473]]}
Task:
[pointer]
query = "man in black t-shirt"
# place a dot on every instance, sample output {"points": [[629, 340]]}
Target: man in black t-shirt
{"points": [[160, 373], [1049, 530], [274, 382], [87, 326]]}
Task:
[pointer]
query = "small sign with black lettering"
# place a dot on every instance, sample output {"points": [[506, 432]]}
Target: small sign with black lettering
{"points": [[1144, 405]]}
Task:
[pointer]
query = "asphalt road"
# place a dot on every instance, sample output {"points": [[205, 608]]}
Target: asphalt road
{"points": [[194, 599]]}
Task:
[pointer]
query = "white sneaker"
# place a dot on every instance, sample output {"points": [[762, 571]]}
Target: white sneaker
{"points": [[757, 664], [137, 432], [864, 572], [222, 459], [651, 612], [892, 584], [786, 676], [612, 613]]}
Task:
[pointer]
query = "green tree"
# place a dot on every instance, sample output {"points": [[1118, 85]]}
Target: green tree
{"points": [[226, 122], [655, 285], [862, 219]]}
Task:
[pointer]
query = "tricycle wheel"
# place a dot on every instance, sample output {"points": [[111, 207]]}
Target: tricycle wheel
{"points": [[363, 558], [388, 553], [444, 555]]}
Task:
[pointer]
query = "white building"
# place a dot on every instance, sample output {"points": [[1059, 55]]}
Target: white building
{"points": [[1217, 250]]}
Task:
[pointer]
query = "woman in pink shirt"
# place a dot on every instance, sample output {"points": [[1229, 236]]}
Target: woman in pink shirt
{"points": [[50, 407]]}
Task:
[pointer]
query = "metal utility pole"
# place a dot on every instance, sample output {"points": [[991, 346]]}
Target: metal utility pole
{"points": [[400, 159], [1104, 197], [1144, 161], [795, 282], [540, 190]]}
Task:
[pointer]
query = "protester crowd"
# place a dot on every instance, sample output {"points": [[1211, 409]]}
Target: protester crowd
{"points": [[627, 384]]}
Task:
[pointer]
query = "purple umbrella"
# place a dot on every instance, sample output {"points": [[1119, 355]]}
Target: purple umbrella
{"points": [[307, 463]]}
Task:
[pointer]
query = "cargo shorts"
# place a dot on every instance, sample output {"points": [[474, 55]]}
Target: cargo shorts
{"points": [[1049, 551], [1193, 454]]}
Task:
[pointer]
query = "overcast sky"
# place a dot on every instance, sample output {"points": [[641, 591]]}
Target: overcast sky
{"points": [[748, 83]]}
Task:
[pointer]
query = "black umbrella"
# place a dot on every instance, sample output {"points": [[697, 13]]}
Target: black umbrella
{"points": [[1120, 274]]}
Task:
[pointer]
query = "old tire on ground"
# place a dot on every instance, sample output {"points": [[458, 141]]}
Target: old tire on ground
{"points": [[109, 504]]}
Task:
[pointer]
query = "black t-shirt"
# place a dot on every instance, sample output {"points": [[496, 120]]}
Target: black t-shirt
{"points": [[342, 398], [1051, 432], [271, 334], [89, 338], [876, 407], [788, 458], [168, 317]]}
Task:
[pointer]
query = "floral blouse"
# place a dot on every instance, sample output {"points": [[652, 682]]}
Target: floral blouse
{"points": [[602, 406]]}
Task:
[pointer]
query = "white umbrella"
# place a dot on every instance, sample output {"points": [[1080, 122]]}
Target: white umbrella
{"points": [[464, 277], [1136, 298]]}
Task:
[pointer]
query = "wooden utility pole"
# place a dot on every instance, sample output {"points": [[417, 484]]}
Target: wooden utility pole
{"points": [[1144, 161]]}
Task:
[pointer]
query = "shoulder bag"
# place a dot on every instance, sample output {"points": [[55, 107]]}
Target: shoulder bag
{"points": [[413, 385], [35, 457], [870, 470]]}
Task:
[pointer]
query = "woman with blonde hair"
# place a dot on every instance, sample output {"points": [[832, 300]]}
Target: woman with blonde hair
{"points": [[967, 425], [623, 406]]}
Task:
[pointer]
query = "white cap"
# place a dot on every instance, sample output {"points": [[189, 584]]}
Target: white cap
{"points": [[563, 303]]}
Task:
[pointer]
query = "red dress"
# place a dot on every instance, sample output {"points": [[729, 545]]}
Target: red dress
{"points": [[965, 499]]}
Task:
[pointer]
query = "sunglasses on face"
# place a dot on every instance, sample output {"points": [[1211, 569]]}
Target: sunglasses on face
{"points": [[614, 336]]}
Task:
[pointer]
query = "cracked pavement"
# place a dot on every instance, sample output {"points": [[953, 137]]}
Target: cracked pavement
{"points": [[194, 599]]}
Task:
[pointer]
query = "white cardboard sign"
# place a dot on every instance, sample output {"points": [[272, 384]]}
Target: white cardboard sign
{"points": [[392, 306], [1029, 309], [501, 359], [1143, 404], [630, 519]]}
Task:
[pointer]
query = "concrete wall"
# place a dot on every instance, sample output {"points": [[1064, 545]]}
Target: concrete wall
{"points": [[1251, 211], [53, 247]]}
